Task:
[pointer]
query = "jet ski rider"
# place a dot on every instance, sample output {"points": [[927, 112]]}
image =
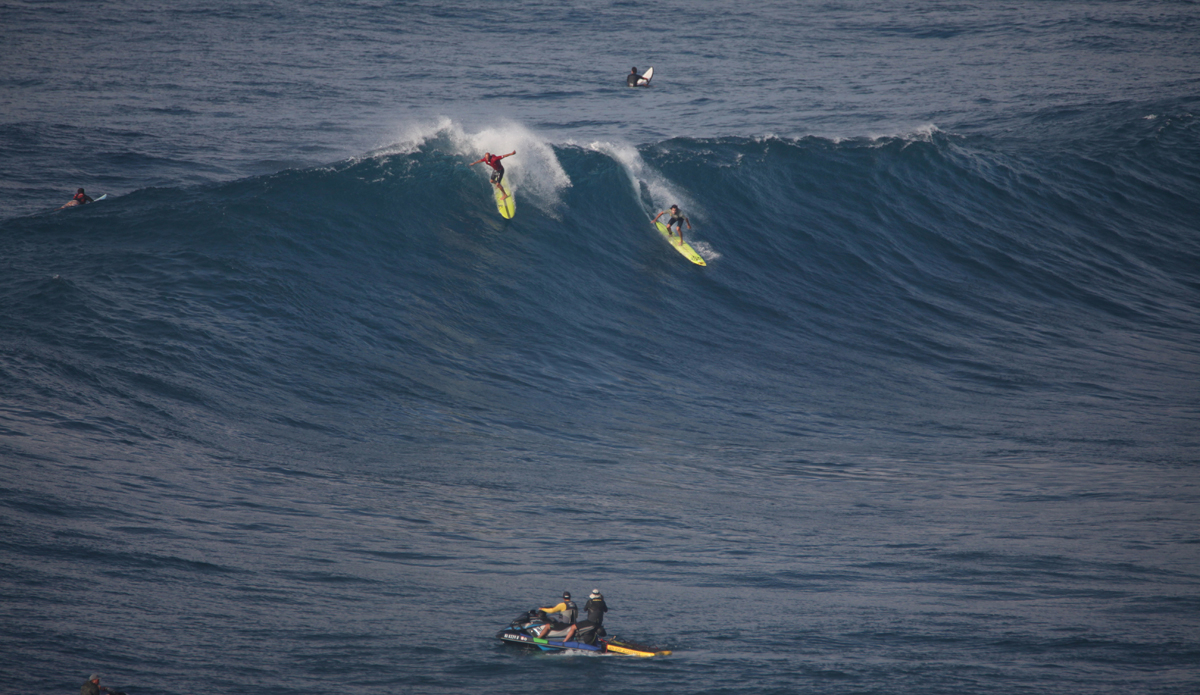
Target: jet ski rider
{"points": [[569, 610]]}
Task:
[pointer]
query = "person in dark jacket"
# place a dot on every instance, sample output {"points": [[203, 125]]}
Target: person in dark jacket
{"points": [[93, 687], [595, 608], [588, 630]]}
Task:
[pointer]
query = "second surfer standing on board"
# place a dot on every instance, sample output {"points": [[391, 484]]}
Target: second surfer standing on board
{"points": [[493, 160], [678, 219]]}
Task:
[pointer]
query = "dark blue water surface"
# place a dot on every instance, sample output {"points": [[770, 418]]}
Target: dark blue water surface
{"points": [[296, 409]]}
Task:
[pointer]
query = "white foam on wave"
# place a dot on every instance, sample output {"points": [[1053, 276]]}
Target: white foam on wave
{"points": [[923, 132], [534, 170], [920, 133], [704, 249], [646, 179]]}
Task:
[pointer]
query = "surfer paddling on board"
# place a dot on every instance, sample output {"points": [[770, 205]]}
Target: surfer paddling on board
{"points": [[493, 160], [80, 198], [678, 219]]}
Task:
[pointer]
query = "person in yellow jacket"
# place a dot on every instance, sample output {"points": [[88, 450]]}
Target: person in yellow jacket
{"points": [[569, 610]]}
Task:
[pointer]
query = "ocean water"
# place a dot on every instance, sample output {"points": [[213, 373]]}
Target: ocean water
{"points": [[296, 409]]}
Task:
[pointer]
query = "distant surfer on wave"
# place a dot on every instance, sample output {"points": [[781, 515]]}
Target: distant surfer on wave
{"points": [[493, 160], [633, 78], [80, 198], [677, 218]]}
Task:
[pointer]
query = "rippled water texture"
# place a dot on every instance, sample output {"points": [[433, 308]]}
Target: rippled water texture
{"points": [[295, 408]]}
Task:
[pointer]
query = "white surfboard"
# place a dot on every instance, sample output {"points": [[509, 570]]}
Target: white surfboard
{"points": [[645, 81]]}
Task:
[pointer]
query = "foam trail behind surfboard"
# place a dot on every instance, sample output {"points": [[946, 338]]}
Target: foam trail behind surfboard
{"points": [[642, 177]]}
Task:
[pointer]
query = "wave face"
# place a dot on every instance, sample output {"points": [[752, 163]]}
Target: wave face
{"points": [[318, 402], [905, 282]]}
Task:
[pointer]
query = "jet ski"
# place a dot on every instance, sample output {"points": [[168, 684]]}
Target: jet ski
{"points": [[523, 631]]}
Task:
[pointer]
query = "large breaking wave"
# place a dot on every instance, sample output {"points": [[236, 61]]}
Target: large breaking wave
{"points": [[854, 285]]}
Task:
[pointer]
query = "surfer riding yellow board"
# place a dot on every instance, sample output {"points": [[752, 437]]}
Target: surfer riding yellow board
{"points": [[678, 219], [505, 202]]}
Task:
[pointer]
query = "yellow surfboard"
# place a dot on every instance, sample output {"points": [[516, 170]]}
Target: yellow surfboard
{"points": [[679, 245], [622, 647], [506, 205]]}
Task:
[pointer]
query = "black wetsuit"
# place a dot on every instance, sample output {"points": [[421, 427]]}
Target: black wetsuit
{"points": [[632, 80], [587, 631], [89, 688], [596, 608]]}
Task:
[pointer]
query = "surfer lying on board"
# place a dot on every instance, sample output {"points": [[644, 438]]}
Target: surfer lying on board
{"points": [[493, 160], [633, 77], [80, 198], [677, 218]]}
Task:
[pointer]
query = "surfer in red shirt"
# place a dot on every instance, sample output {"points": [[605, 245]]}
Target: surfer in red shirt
{"points": [[80, 198], [493, 160]]}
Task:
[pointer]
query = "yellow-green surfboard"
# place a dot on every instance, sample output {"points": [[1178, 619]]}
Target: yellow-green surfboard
{"points": [[636, 652], [506, 206], [679, 245]]}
